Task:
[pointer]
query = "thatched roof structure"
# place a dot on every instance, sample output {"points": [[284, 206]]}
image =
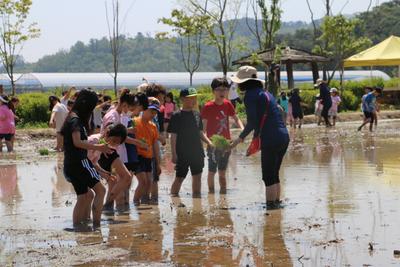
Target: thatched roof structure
{"points": [[288, 56]]}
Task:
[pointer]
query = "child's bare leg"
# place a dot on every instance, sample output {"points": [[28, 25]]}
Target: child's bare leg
{"points": [[117, 190], [147, 189], [97, 206], [222, 182], [154, 190], [9, 145], [176, 186], [210, 181], [196, 185], [60, 140], [140, 188], [111, 197], [89, 200], [300, 122], [78, 215]]}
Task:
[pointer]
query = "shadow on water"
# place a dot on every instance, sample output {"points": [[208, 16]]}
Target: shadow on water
{"points": [[341, 188]]}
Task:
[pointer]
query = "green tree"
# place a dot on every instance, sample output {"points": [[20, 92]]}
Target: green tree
{"points": [[339, 34], [189, 30], [269, 18], [14, 33], [222, 21]]}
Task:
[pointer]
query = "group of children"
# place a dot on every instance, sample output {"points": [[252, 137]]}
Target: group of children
{"points": [[129, 142], [291, 105]]}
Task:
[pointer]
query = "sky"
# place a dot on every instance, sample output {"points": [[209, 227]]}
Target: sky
{"points": [[64, 22]]}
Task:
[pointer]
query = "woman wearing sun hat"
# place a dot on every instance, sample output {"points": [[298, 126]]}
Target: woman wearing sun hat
{"points": [[274, 135]]}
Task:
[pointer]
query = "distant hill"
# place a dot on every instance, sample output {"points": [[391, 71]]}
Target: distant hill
{"points": [[147, 54]]}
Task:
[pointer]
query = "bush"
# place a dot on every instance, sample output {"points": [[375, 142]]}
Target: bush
{"points": [[309, 97], [349, 101], [33, 108]]}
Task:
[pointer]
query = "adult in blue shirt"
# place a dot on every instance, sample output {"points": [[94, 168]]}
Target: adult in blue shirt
{"points": [[325, 95], [274, 135]]}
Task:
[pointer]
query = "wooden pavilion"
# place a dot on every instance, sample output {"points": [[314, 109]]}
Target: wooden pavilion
{"points": [[288, 57]]}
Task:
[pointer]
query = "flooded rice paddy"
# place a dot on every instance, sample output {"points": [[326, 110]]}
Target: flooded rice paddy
{"points": [[341, 187]]}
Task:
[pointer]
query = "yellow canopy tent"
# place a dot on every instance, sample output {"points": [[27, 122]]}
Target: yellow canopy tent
{"points": [[386, 53]]}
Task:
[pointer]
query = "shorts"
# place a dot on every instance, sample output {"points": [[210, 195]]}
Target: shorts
{"points": [[297, 114], [271, 160], [217, 159], [132, 166], [7, 137], [145, 165], [182, 166], [166, 120], [81, 175], [106, 162], [369, 115]]}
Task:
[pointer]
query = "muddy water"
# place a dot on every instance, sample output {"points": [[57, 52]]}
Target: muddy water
{"points": [[341, 188]]}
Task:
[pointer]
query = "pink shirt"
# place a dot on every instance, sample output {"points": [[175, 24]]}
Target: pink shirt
{"points": [[112, 116], [94, 155], [7, 121], [169, 109], [335, 103]]}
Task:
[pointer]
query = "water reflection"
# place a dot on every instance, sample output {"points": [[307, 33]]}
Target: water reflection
{"points": [[342, 191]]}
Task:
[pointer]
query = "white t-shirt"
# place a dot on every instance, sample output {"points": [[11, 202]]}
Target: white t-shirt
{"points": [[233, 92], [97, 118], [112, 116], [61, 113]]}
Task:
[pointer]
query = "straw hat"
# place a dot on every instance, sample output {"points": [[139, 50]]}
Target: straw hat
{"points": [[244, 74], [318, 83]]}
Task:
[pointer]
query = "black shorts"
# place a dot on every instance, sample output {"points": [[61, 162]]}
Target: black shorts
{"points": [[106, 161], [132, 166], [217, 159], [7, 137], [82, 175], [145, 165], [297, 114], [271, 160], [182, 166], [369, 115]]}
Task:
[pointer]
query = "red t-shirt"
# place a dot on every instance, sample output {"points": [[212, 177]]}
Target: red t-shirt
{"points": [[217, 117]]}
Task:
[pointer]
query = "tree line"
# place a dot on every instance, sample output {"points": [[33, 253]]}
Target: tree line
{"points": [[207, 35]]}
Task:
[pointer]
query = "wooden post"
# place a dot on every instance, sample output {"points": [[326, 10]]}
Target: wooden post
{"points": [[315, 73], [289, 71]]}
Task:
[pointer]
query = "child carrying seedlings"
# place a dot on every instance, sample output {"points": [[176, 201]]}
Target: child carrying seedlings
{"points": [[215, 115], [78, 169], [186, 129], [146, 131], [114, 136]]}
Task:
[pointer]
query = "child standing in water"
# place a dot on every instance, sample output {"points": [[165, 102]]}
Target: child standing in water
{"points": [[297, 111], [78, 169], [215, 115], [7, 124], [335, 104], [147, 132], [186, 129]]}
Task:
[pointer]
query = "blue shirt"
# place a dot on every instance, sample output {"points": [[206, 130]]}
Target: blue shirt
{"points": [[369, 103], [274, 132], [131, 150]]}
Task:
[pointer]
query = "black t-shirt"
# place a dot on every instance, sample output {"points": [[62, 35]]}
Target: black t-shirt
{"points": [[187, 126], [73, 154]]}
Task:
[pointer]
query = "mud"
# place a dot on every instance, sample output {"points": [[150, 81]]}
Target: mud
{"points": [[341, 188]]}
